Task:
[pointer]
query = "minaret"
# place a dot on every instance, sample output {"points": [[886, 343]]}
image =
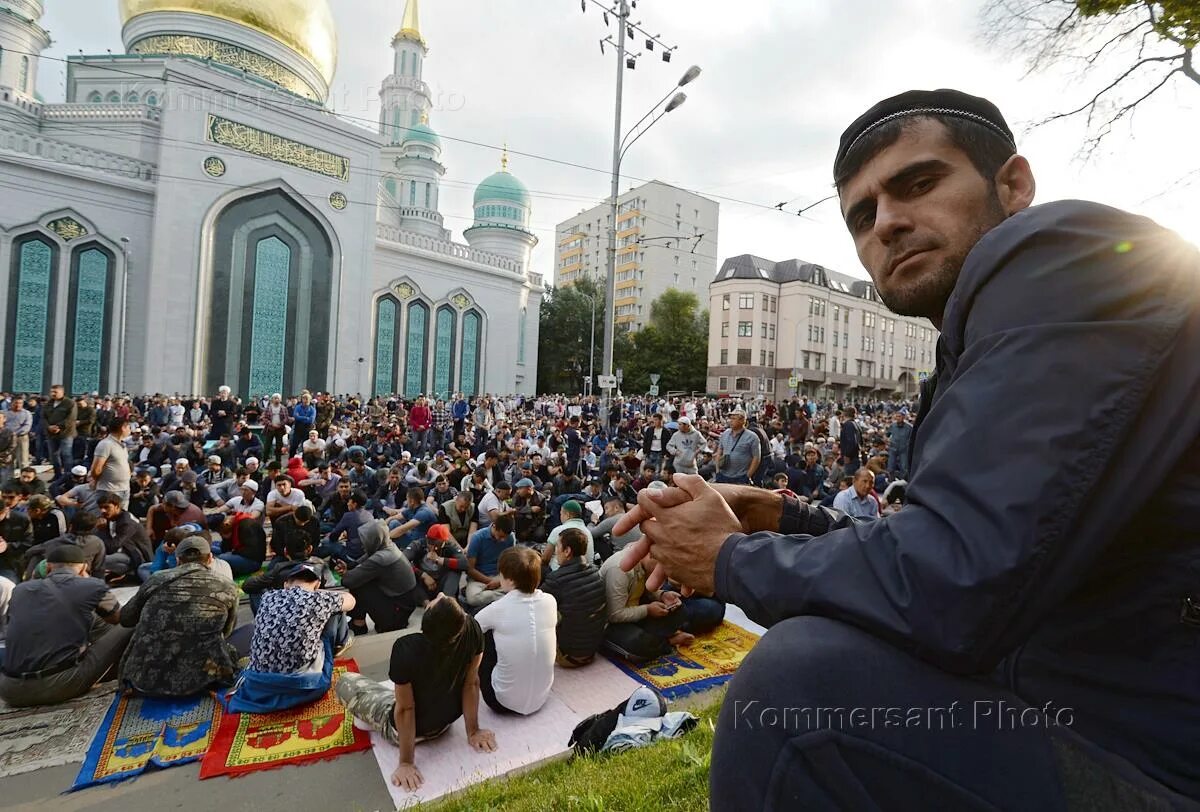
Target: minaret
{"points": [[412, 158], [21, 38], [502, 209]]}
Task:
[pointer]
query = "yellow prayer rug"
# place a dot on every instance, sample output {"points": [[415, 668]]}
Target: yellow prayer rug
{"points": [[320, 730], [139, 732], [710, 661]]}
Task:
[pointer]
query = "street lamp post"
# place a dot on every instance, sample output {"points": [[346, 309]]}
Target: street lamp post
{"points": [[592, 351], [620, 147]]}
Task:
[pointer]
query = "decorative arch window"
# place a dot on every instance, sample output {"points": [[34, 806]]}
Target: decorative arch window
{"points": [[24, 79], [89, 329], [412, 193], [268, 325], [113, 97], [414, 363], [387, 322], [152, 100], [468, 369], [29, 347], [132, 98], [397, 132], [94, 97], [390, 185], [428, 195], [443, 350], [403, 63], [414, 117]]}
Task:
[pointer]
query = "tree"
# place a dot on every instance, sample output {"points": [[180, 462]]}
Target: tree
{"points": [[1150, 45], [674, 344], [565, 335]]}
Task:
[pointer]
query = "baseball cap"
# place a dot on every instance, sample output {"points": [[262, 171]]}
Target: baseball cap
{"points": [[685, 421], [303, 571], [250, 485], [176, 499], [66, 554], [439, 532], [79, 470], [524, 482], [503, 485], [738, 410], [644, 703], [193, 543], [214, 458], [188, 478]]}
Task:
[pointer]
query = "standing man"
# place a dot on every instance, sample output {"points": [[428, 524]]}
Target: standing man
{"points": [[683, 447], [420, 421], [739, 452], [899, 438], [222, 411], [58, 418], [110, 462], [654, 442], [1013, 585], [20, 423], [850, 441], [304, 417]]}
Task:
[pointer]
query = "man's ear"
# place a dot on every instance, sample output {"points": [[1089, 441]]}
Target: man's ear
{"points": [[1015, 185]]}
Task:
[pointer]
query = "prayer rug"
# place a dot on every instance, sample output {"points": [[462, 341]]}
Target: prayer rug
{"points": [[706, 663], [246, 742], [33, 738], [139, 732]]}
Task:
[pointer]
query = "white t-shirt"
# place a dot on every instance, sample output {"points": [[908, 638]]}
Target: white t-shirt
{"points": [[295, 498], [524, 629], [238, 505], [489, 502]]}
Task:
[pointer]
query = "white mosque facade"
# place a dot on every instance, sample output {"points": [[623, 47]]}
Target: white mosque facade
{"points": [[193, 215]]}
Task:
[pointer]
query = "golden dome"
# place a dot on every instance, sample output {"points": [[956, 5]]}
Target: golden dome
{"points": [[305, 26]]}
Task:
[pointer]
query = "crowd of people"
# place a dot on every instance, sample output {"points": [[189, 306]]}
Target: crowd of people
{"points": [[341, 516]]}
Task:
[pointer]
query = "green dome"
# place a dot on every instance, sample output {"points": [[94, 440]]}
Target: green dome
{"points": [[502, 186], [424, 134]]}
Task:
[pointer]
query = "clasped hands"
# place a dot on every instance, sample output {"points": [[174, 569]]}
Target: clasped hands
{"points": [[684, 527]]}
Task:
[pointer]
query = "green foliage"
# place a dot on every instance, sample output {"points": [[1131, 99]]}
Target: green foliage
{"points": [[1176, 20], [674, 343], [671, 775]]}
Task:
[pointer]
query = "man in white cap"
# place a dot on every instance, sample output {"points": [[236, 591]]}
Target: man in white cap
{"points": [[683, 447], [81, 495], [246, 501]]}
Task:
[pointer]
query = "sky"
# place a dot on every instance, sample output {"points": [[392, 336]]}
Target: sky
{"points": [[781, 79]]}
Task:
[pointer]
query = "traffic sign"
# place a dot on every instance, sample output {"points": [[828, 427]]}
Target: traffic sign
{"points": [[793, 381], [654, 376], [922, 375], [654, 389], [607, 381]]}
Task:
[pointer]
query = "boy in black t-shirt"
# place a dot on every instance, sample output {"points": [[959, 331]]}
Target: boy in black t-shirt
{"points": [[436, 676]]}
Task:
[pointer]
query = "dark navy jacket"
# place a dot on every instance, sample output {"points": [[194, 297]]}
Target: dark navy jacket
{"points": [[1052, 533]]}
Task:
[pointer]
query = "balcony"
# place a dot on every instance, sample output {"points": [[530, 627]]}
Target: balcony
{"points": [[58, 152], [453, 250], [101, 112], [408, 212]]}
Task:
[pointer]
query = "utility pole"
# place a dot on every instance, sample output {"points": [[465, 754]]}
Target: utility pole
{"points": [[611, 281]]}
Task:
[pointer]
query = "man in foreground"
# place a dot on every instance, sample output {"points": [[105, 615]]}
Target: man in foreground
{"points": [[1041, 611]]}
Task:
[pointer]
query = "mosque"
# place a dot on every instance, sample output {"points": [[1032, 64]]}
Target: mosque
{"points": [[194, 215]]}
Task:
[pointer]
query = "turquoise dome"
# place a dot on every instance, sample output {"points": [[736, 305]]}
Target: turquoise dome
{"points": [[502, 186], [424, 134]]}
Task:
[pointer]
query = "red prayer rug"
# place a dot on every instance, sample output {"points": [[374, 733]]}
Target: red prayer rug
{"points": [[246, 742]]}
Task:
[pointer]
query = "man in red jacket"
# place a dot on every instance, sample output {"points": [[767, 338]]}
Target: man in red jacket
{"points": [[420, 420]]}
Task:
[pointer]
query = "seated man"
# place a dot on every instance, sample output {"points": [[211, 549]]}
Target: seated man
{"points": [[606, 543], [644, 624], [78, 493], [572, 517], [435, 673], [356, 516], [582, 603], [245, 543], [299, 551], [60, 638], [295, 529], [858, 501], [164, 556], [459, 515], [517, 669], [126, 545], [175, 510], [16, 537], [382, 582], [483, 560], [245, 500], [439, 561], [82, 534], [181, 618], [298, 632], [530, 509], [412, 522]]}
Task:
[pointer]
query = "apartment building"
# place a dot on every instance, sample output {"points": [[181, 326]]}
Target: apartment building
{"points": [[778, 329], [666, 238]]}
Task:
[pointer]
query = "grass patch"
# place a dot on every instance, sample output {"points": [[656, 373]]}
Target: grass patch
{"points": [[670, 775]]}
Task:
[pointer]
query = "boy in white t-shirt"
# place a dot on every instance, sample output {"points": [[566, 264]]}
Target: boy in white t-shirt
{"points": [[520, 637]]}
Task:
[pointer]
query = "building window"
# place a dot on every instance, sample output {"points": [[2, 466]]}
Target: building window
{"points": [[770, 386], [846, 341], [24, 80], [766, 302], [817, 359], [414, 356], [725, 302], [95, 98], [745, 329], [412, 193], [521, 336], [131, 98], [771, 332], [676, 278], [468, 368], [741, 384], [771, 359], [386, 313], [403, 62], [113, 98], [152, 100], [30, 344], [722, 384], [724, 357], [746, 301], [443, 351], [724, 329], [87, 334], [428, 195], [843, 366], [743, 357], [268, 336], [762, 358], [764, 330]]}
